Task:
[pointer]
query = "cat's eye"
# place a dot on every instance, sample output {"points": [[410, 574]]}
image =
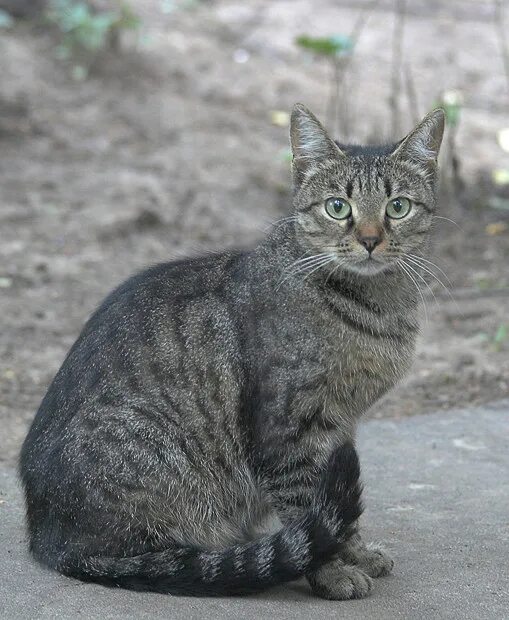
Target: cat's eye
{"points": [[398, 208], [338, 208]]}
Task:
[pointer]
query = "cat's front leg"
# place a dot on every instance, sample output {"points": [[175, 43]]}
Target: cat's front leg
{"points": [[337, 580], [371, 558], [350, 575]]}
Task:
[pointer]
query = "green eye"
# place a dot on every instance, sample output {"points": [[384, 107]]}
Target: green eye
{"points": [[398, 208], [338, 208]]}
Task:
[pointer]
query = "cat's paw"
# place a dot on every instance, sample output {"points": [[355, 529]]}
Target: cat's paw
{"points": [[375, 561], [339, 582]]}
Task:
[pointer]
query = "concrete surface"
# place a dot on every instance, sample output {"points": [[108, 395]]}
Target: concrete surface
{"points": [[437, 492]]}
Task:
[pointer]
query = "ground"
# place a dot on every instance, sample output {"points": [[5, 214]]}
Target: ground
{"points": [[437, 491], [171, 149]]}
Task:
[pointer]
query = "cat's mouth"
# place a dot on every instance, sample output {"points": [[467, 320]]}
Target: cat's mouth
{"points": [[367, 266]]}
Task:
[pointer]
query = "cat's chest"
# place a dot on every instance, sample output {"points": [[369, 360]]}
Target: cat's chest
{"points": [[361, 367]]}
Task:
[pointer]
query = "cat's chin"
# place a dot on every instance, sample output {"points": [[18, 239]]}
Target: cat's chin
{"points": [[367, 267]]}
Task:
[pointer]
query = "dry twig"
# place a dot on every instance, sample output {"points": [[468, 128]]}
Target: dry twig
{"points": [[502, 36], [397, 60], [413, 104]]}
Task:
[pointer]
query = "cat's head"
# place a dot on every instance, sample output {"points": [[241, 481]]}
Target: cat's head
{"points": [[363, 207]]}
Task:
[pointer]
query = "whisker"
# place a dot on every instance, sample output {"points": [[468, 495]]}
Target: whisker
{"points": [[447, 219], [427, 270], [415, 261], [421, 277], [305, 265], [421, 258], [318, 261], [412, 279], [334, 269], [318, 267], [277, 223], [308, 258], [303, 262]]}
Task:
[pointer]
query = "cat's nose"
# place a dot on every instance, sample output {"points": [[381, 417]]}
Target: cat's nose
{"points": [[371, 242], [369, 235]]}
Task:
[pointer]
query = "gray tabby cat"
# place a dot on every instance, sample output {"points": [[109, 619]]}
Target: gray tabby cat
{"points": [[197, 439]]}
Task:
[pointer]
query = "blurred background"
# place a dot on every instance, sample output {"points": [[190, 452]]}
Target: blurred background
{"points": [[137, 131]]}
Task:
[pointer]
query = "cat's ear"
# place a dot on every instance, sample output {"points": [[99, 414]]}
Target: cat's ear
{"points": [[422, 145], [309, 141]]}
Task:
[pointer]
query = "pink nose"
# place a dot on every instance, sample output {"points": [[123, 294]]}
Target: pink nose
{"points": [[370, 243]]}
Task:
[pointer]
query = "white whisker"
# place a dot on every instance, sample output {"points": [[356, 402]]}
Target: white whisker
{"points": [[331, 258], [311, 262], [421, 277], [277, 223], [412, 279], [416, 260], [334, 269], [307, 258], [441, 217], [305, 265], [421, 258]]}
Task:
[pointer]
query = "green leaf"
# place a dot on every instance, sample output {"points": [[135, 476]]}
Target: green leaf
{"points": [[74, 17], [344, 42], [452, 102], [452, 114], [501, 334], [326, 46], [83, 30]]}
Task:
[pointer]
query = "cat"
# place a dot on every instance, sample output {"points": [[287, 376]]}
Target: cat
{"points": [[199, 436]]}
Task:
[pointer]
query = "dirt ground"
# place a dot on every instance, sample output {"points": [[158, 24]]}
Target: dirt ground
{"points": [[170, 149]]}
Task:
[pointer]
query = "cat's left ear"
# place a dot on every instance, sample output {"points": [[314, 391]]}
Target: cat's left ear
{"points": [[422, 145]]}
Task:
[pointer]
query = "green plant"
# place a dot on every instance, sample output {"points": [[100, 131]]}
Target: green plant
{"points": [[84, 32], [333, 46], [334, 49], [337, 50], [501, 336], [496, 341]]}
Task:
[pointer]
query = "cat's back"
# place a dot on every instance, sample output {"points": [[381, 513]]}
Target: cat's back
{"points": [[139, 335], [171, 282], [141, 310]]}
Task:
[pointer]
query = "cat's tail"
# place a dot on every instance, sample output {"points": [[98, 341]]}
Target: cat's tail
{"points": [[295, 550]]}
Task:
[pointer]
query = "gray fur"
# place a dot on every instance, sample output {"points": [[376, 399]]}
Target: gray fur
{"points": [[204, 397]]}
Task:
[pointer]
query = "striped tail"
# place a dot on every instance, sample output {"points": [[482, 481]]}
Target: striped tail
{"points": [[289, 554]]}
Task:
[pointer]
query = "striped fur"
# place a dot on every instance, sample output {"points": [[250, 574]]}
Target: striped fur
{"points": [[204, 397], [304, 546]]}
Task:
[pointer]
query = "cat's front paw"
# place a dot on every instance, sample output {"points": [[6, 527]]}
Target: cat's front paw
{"points": [[339, 582], [375, 561]]}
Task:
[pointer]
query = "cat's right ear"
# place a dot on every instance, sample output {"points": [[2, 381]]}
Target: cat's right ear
{"points": [[422, 145], [309, 141]]}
